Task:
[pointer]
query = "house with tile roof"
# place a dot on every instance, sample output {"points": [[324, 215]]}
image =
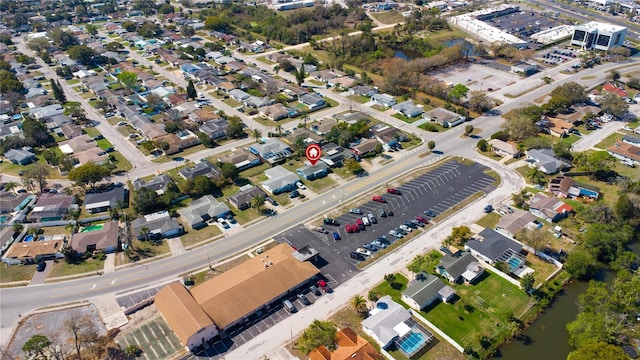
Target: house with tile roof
{"points": [[349, 346]]}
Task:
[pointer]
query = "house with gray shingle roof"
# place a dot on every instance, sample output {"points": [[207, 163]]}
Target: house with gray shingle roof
{"points": [[408, 109], [202, 210], [424, 290], [20, 156], [464, 268], [490, 246], [280, 180], [546, 161]]}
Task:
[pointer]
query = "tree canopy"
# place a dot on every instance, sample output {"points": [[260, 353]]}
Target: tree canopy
{"points": [[88, 174], [320, 332]]}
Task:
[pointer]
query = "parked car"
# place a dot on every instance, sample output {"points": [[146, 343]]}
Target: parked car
{"points": [[336, 235], [487, 209], [365, 221], [379, 244], [417, 223], [382, 213], [314, 290], [301, 186], [355, 211], [363, 252], [289, 306], [304, 299], [393, 191], [329, 221], [379, 199], [41, 266], [372, 218], [430, 213], [400, 230], [370, 247], [411, 225], [271, 201], [351, 228], [359, 224], [357, 256], [395, 234], [383, 239], [324, 286], [320, 229], [406, 228], [294, 194], [422, 219], [389, 212]]}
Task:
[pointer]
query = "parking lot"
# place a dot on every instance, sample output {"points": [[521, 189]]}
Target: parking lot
{"points": [[437, 190], [483, 75], [525, 23]]}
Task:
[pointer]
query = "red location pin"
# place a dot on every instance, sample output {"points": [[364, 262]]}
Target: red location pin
{"points": [[313, 153]]}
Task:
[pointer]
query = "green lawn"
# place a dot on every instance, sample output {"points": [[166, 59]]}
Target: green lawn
{"points": [[91, 131], [104, 144], [489, 220], [61, 268], [609, 141], [10, 273]]}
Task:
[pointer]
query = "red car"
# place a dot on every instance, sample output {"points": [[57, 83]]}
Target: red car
{"points": [[359, 224], [351, 228], [393, 191], [324, 286], [379, 199], [422, 219]]}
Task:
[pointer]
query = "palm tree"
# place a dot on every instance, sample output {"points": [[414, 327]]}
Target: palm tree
{"points": [[11, 186], [534, 175], [256, 134], [359, 304], [257, 202], [279, 129], [144, 233], [373, 295]]}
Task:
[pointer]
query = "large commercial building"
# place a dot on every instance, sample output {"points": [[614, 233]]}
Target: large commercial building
{"points": [[599, 36], [474, 24], [198, 314]]}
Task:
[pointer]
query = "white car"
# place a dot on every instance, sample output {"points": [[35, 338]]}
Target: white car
{"points": [[363, 252], [406, 228], [301, 186], [365, 221]]}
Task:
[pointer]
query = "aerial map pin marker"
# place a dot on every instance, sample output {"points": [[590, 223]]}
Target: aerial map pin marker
{"points": [[313, 152]]}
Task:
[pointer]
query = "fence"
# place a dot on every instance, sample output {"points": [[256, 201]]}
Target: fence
{"points": [[438, 331]]}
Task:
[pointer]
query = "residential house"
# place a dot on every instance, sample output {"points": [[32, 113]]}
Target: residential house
{"points": [[156, 225], [513, 222], [492, 247], [77, 144], [51, 207], [549, 208], [10, 201], [179, 141], [343, 82], [351, 117], [422, 291], [385, 100], [307, 136], [242, 199], [612, 88], [326, 75], [239, 95], [96, 202], [280, 180], [558, 127], [271, 151], [363, 90], [10, 129], [202, 210], [507, 149], [334, 155], [633, 140], [6, 238], [364, 147], [202, 168], [257, 102], [242, 159], [95, 155], [566, 187], [389, 136], [312, 101], [625, 152], [22, 156], [408, 109], [460, 269], [274, 112], [546, 161], [106, 240], [323, 126], [45, 112], [71, 131], [157, 183], [215, 129], [313, 172], [348, 346], [444, 117], [33, 251], [390, 323]]}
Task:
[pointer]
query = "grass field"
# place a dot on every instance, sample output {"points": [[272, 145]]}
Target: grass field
{"points": [[609, 141], [61, 268], [10, 273], [489, 220]]}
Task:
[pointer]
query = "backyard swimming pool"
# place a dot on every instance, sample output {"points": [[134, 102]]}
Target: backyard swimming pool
{"points": [[93, 228], [28, 238], [412, 342]]}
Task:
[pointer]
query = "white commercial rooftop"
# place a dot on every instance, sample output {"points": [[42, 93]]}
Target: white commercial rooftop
{"points": [[554, 34], [604, 27], [484, 31]]}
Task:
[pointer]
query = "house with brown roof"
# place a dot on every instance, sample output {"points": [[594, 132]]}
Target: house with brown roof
{"points": [[365, 147], [71, 130], [234, 295], [323, 126], [625, 152], [558, 127], [105, 240], [274, 112], [33, 251], [549, 208], [566, 187], [242, 159], [505, 148], [513, 222], [307, 135], [349, 346], [51, 206], [186, 318]]}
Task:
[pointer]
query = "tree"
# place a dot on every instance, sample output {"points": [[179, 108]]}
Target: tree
{"points": [[431, 145], [353, 166], [234, 128], [129, 80], [147, 201], [606, 241], [187, 31], [82, 54], [320, 332], [191, 91], [202, 185], [88, 174], [581, 265], [520, 127], [257, 201], [300, 76], [460, 234], [565, 95], [482, 145], [535, 238], [154, 101], [36, 173], [527, 282], [216, 23], [76, 111], [613, 104], [35, 132], [458, 91], [468, 130], [614, 75], [359, 304], [562, 149], [37, 346], [91, 29], [58, 93], [598, 350], [372, 295], [83, 331], [256, 134], [535, 175], [624, 208], [229, 171]]}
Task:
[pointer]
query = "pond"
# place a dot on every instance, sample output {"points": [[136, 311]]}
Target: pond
{"points": [[407, 54]]}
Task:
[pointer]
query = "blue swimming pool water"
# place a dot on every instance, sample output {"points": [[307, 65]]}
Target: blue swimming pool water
{"points": [[28, 238], [3, 219], [412, 342], [514, 262]]}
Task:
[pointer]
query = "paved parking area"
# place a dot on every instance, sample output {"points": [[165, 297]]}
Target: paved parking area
{"points": [[478, 76], [130, 299], [438, 190], [155, 338]]}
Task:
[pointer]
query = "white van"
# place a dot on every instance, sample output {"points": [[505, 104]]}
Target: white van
{"points": [[289, 306]]}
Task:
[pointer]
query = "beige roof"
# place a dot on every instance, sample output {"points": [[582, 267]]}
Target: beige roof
{"points": [[245, 288], [102, 239], [625, 149], [516, 221], [95, 155], [181, 312], [22, 250], [349, 346]]}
